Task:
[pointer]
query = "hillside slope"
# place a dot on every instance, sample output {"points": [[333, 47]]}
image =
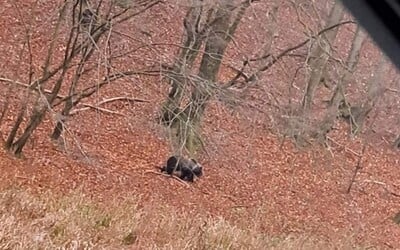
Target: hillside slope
{"points": [[249, 172]]}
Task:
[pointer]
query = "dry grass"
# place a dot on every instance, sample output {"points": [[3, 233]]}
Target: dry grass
{"points": [[76, 222]]}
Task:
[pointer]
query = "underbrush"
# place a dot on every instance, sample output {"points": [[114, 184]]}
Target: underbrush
{"points": [[75, 221]]}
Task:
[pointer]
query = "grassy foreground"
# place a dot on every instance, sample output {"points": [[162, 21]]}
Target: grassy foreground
{"points": [[76, 222]]}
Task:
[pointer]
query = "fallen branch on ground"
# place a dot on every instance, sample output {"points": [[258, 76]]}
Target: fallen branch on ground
{"points": [[167, 175], [357, 169], [88, 106], [384, 185], [119, 98]]}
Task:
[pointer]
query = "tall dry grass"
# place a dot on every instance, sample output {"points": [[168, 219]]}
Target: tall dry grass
{"points": [[74, 221]]}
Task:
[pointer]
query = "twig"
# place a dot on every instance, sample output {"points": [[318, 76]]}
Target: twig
{"points": [[205, 192], [357, 169], [346, 149], [121, 98], [385, 186], [167, 175], [125, 98], [239, 206], [6, 80], [230, 197], [392, 90], [87, 92], [88, 106]]}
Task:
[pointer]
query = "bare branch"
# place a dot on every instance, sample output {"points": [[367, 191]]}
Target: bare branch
{"points": [[167, 175], [357, 169], [384, 185], [274, 59], [89, 106]]}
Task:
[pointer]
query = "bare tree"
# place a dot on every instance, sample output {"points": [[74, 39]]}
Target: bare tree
{"points": [[338, 98], [195, 31], [87, 27], [219, 25], [320, 54], [376, 88]]}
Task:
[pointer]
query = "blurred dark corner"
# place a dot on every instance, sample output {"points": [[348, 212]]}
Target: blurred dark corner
{"points": [[381, 19]]}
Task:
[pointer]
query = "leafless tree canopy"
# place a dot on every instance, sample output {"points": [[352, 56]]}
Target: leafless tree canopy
{"points": [[301, 88]]}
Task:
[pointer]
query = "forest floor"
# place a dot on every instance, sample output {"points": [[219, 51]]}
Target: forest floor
{"points": [[251, 174]]}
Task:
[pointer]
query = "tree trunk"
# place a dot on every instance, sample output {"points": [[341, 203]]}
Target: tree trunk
{"points": [[356, 114], [35, 119], [376, 88], [320, 55], [70, 103], [338, 95], [193, 39], [17, 124], [219, 36]]}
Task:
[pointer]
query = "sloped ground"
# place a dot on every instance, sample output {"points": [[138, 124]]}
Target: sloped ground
{"points": [[290, 191], [75, 221], [249, 172]]}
